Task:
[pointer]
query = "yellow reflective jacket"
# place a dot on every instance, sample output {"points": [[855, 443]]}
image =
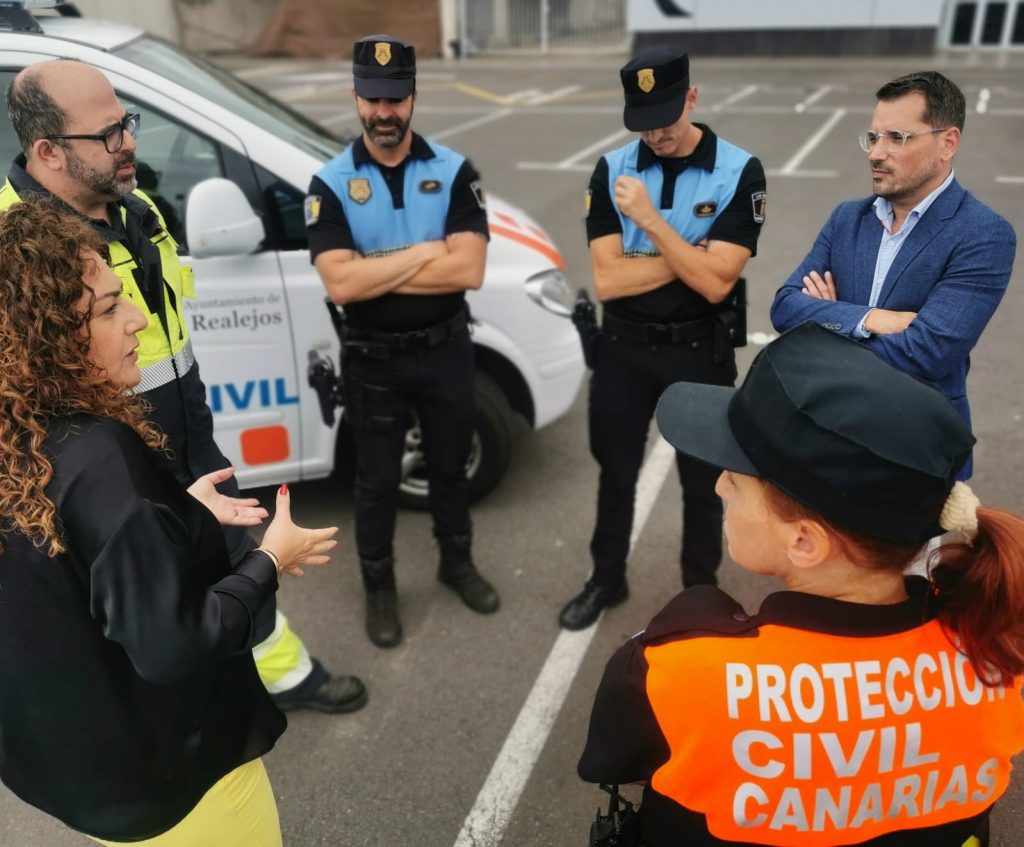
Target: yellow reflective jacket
{"points": [[156, 346]]}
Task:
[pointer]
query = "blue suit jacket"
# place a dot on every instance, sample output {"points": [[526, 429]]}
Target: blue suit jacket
{"points": [[952, 270]]}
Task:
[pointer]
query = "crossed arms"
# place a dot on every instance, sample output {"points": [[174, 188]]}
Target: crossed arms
{"points": [[948, 293], [430, 267]]}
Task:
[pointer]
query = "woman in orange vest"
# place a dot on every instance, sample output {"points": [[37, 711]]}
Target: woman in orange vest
{"points": [[858, 706]]}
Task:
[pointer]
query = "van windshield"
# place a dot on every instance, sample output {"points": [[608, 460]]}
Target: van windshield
{"points": [[219, 86]]}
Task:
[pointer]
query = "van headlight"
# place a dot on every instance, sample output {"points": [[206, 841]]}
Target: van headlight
{"points": [[551, 290]]}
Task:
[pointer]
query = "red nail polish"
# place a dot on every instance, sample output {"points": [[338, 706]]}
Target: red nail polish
{"points": [[283, 490]]}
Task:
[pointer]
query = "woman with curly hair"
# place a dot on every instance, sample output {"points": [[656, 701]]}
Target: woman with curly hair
{"points": [[858, 706], [130, 706]]}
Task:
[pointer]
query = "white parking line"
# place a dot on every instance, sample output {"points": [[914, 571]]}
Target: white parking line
{"points": [[791, 168], [553, 95], [982, 105], [472, 124], [735, 98], [487, 820], [813, 98], [1010, 180], [572, 163]]}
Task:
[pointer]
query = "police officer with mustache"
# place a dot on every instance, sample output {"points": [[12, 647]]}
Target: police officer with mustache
{"points": [[398, 232]]}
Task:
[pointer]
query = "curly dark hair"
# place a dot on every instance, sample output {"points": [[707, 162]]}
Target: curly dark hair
{"points": [[45, 373]]}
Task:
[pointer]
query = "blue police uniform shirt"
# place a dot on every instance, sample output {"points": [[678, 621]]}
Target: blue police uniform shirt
{"points": [[376, 210], [716, 193]]}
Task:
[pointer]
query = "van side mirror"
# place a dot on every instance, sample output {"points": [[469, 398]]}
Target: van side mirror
{"points": [[220, 222]]}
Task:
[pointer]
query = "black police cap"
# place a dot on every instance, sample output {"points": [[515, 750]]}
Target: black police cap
{"points": [[867, 446], [383, 66], [655, 84]]}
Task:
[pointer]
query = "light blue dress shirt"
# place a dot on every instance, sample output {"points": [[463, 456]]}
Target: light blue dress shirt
{"points": [[892, 242]]}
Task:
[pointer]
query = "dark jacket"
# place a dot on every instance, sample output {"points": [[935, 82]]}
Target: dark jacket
{"points": [[127, 685]]}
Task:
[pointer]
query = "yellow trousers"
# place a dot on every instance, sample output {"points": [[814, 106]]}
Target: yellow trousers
{"points": [[238, 811]]}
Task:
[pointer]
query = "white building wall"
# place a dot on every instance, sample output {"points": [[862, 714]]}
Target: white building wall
{"points": [[646, 16], [156, 16]]}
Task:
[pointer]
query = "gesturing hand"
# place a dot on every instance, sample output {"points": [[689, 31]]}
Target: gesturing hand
{"points": [[293, 545], [229, 511]]}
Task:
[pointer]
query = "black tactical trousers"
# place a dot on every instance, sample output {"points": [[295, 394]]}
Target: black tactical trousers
{"points": [[380, 396], [628, 379]]}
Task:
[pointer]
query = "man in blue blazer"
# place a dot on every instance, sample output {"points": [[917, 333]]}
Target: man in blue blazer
{"points": [[917, 271]]}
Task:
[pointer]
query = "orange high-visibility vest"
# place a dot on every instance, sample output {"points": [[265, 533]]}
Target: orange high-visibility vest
{"points": [[802, 739]]}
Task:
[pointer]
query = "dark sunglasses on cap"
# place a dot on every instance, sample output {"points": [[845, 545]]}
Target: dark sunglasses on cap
{"points": [[112, 138]]}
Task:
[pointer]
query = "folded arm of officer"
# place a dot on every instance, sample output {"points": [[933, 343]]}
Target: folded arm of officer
{"points": [[349, 276], [710, 268], [461, 268]]}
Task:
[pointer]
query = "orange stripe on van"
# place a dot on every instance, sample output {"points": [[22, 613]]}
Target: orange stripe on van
{"points": [[541, 247]]}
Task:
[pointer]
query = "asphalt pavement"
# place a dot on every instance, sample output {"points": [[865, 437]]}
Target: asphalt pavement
{"points": [[475, 724]]}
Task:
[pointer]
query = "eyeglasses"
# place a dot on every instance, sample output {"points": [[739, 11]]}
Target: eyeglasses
{"points": [[892, 139], [113, 138]]}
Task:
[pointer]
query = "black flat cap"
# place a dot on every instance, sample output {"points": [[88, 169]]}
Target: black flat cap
{"points": [[655, 84], [383, 66], [868, 447]]}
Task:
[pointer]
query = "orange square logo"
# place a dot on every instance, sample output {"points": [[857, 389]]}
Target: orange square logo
{"points": [[265, 444]]}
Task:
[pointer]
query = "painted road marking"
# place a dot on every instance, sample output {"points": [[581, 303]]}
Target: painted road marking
{"points": [[982, 105], [1010, 180], [735, 98], [486, 822], [472, 124], [557, 94], [812, 99], [791, 168], [572, 163]]}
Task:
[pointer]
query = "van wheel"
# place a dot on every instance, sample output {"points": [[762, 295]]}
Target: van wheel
{"points": [[489, 454]]}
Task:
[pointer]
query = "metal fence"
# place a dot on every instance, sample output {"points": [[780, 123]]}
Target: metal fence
{"points": [[542, 25]]}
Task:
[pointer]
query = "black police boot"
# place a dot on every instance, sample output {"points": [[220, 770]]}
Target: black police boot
{"points": [[585, 607], [324, 692], [382, 624], [458, 572]]}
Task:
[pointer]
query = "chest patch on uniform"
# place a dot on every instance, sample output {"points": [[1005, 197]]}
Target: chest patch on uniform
{"points": [[312, 209], [359, 190], [705, 209], [430, 186], [760, 201], [478, 192]]}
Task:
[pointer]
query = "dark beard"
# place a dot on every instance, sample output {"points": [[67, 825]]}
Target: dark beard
{"points": [[373, 126], [105, 184]]}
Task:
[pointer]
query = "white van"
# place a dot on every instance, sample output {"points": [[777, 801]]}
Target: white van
{"points": [[260, 325]]}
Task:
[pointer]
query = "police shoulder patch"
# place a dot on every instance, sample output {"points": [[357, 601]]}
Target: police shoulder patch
{"points": [[430, 186], [759, 199], [705, 209], [590, 197], [478, 192], [312, 209]]}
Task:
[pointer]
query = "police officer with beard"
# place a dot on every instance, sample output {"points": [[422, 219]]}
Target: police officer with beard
{"points": [[398, 232], [672, 219]]}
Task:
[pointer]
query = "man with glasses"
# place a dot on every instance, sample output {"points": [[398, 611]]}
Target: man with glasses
{"points": [[79, 146], [916, 272]]}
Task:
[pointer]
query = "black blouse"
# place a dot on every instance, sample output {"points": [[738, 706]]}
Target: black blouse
{"points": [[127, 685]]}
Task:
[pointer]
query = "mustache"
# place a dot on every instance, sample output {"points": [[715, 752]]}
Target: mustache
{"points": [[127, 159]]}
